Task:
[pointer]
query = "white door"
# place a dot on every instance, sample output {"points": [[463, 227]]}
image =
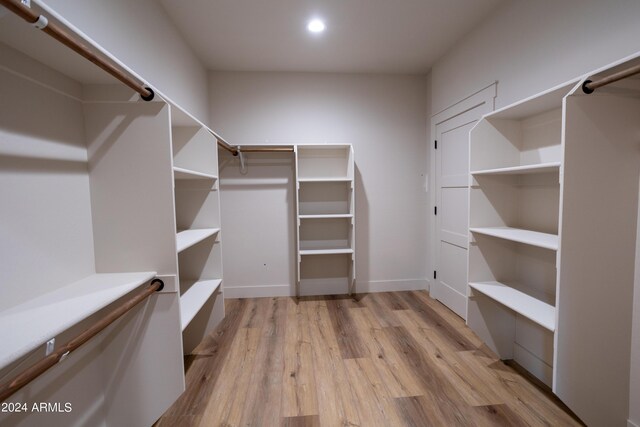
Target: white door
{"points": [[451, 213]]}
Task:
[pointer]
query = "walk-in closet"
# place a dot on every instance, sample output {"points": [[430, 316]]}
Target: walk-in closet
{"points": [[319, 214]]}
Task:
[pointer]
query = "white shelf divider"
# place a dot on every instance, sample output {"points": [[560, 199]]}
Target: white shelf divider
{"points": [[530, 307], [187, 238], [34, 322], [521, 170], [320, 179], [326, 251], [533, 238], [194, 299], [325, 216], [182, 173]]}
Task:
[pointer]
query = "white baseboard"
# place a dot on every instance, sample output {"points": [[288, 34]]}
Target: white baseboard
{"points": [[392, 285], [258, 291], [361, 287], [632, 424]]}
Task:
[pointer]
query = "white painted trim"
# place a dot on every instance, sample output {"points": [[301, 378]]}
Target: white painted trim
{"points": [[392, 285], [484, 96], [465, 104], [257, 291]]}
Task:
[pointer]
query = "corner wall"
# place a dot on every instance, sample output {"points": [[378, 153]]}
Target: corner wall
{"points": [[141, 35], [383, 116], [530, 46]]}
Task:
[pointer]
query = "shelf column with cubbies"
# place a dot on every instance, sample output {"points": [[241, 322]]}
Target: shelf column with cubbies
{"points": [[515, 163], [325, 211], [197, 204]]}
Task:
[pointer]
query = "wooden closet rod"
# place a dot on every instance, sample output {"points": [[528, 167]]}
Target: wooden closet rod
{"points": [[266, 148], [224, 144], [589, 86], [235, 150], [60, 34], [32, 372]]}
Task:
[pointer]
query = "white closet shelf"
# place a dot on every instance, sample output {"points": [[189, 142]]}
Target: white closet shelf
{"points": [[326, 251], [28, 325], [324, 179], [533, 238], [327, 216], [182, 173], [195, 298], [521, 170], [530, 307], [329, 251], [187, 238]]}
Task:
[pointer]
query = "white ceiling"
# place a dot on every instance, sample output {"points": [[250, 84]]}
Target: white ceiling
{"points": [[384, 36]]}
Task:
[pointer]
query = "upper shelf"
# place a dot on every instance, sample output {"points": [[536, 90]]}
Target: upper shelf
{"points": [[187, 238], [521, 170], [330, 162], [536, 310], [182, 173], [533, 238], [320, 179], [25, 327], [534, 105]]}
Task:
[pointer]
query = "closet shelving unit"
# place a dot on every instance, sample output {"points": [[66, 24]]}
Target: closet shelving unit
{"points": [[197, 201], [552, 217], [325, 219], [85, 179], [515, 163], [95, 185]]}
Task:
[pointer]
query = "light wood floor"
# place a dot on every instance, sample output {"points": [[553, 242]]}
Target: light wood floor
{"points": [[389, 359]]}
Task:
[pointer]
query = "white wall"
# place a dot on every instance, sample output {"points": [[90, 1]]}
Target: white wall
{"points": [[141, 35], [531, 46], [384, 117]]}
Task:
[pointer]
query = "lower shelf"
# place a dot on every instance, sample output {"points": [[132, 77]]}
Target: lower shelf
{"points": [[25, 327], [195, 297], [532, 308]]}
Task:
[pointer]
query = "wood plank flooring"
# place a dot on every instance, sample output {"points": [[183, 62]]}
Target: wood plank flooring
{"points": [[387, 359]]}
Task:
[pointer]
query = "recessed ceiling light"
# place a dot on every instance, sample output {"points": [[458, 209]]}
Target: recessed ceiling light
{"points": [[316, 26]]}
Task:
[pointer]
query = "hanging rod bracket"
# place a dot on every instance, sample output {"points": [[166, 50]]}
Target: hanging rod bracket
{"points": [[150, 96], [154, 281], [41, 23], [585, 87]]}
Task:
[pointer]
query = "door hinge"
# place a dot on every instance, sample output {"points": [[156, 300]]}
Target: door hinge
{"points": [[434, 274], [435, 210], [435, 143]]}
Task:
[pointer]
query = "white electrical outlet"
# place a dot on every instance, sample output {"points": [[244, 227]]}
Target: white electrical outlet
{"points": [[51, 345]]}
